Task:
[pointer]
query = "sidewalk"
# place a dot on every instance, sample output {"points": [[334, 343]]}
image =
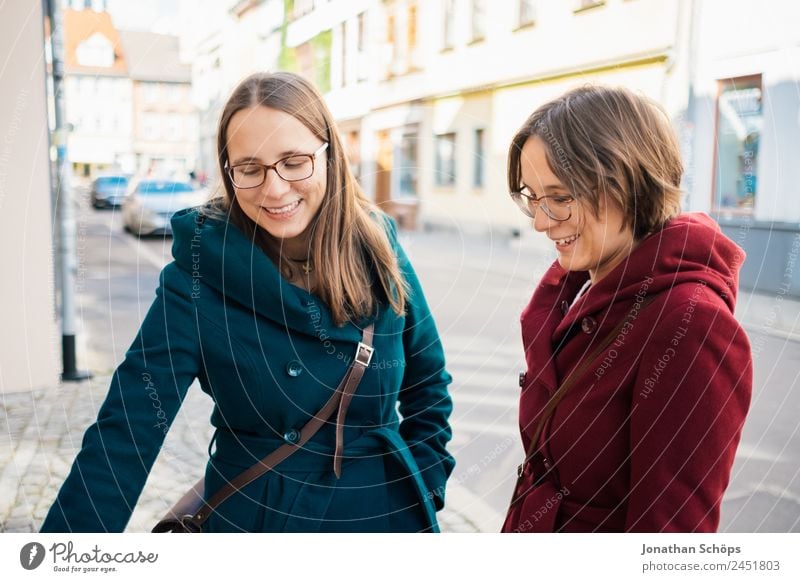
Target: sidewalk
{"points": [[42, 435], [41, 431]]}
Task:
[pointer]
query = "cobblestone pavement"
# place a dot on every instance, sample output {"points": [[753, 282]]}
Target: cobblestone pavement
{"points": [[41, 436]]}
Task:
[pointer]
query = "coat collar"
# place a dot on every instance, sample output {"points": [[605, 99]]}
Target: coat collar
{"points": [[218, 254]]}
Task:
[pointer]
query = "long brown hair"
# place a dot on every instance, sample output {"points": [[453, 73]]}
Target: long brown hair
{"points": [[608, 141], [348, 240]]}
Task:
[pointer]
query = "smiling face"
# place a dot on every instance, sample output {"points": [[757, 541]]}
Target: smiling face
{"points": [[585, 242], [284, 209]]}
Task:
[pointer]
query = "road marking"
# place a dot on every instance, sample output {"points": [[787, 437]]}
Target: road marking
{"points": [[144, 252]]}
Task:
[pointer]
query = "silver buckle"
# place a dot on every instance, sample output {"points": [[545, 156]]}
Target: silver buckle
{"points": [[364, 354]]}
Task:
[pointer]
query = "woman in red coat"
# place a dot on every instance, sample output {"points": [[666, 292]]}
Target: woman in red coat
{"points": [[638, 376]]}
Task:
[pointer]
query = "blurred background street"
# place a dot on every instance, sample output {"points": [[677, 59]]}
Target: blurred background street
{"points": [[108, 119]]}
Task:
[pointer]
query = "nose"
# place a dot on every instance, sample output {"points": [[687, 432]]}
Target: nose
{"points": [[542, 222], [274, 186]]}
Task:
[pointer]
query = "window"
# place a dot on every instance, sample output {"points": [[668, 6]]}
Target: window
{"points": [[449, 13], [407, 167], [353, 151], [362, 32], [526, 15], [174, 92], [412, 27], [477, 176], [343, 66], [362, 61], [739, 120], [150, 125], [446, 159], [150, 92], [175, 127], [390, 28], [478, 20]]}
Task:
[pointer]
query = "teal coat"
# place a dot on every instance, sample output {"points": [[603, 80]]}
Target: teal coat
{"points": [[269, 355]]}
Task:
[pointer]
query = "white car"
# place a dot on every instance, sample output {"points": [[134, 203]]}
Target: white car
{"points": [[150, 204]]}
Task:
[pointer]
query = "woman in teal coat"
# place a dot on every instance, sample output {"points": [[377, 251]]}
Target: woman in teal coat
{"points": [[265, 304]]}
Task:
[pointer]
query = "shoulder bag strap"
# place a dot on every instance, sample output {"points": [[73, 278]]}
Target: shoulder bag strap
{"points": [[578, 373], [338, 402]]}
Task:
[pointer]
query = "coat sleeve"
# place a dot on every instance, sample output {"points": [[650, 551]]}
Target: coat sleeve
{"points": [[425, 403], [146, 391], [690, 400]]}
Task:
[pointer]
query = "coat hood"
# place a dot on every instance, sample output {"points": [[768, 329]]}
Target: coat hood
{"points": [[691, 248], [219, 255]]}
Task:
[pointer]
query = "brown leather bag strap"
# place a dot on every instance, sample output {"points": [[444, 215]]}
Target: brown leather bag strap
{"points": [[578, 372], [339, 399]]}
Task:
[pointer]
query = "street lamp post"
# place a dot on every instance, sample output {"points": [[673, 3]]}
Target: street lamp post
{"points": [[65, 208]]}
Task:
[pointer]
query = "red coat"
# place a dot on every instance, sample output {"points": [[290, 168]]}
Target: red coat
{"points": [[646, 439]]}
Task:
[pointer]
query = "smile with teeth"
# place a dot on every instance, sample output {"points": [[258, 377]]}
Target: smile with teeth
{"points": [[283, 209], [565, 241]]}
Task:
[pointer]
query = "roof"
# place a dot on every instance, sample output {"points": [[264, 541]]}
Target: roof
{"points": [[81, 26], [154, 57]]}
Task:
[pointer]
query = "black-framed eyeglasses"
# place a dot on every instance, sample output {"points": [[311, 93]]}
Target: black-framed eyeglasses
{"points": [[556, 207], [292, 168]]}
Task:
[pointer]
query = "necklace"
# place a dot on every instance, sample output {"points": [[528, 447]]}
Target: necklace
{"points": [[305, 264]]}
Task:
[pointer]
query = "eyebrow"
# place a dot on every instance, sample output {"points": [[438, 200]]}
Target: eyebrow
{"points": [[281, 156], [548, 188]]}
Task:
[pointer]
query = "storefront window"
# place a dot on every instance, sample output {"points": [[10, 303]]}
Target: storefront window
{"points": [[739, 122]]}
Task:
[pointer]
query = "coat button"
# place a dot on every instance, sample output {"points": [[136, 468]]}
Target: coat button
{"points": [[522, 377], [564, 307], [294, 368], [292, 436], [588, 325]]}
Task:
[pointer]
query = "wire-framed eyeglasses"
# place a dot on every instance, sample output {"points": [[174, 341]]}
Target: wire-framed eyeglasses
{"points": [[292, 168], [556, 207]]}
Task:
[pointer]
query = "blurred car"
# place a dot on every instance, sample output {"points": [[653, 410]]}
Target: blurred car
{"points": [[109, 191], [150, 204]]}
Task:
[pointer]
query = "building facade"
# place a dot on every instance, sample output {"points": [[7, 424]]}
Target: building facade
{"points": [[98, 94], [164, 128], [428, 95]]}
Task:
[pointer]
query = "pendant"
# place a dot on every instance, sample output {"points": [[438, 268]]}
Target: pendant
{"points": [[307, 268]]}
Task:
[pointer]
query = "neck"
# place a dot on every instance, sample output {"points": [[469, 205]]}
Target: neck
{"points": [[611, 262], [295, 249]]}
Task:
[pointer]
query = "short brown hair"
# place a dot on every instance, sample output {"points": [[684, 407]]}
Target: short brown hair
{"points": [[347, 243], [611, 140]]}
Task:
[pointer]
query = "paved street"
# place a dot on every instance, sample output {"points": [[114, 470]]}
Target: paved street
{"points": [[476, 287]]}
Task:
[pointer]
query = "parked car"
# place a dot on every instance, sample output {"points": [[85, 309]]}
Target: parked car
{"points": [[109, 191], [150, 204]]}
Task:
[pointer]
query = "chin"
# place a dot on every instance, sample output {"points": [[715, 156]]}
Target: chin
{"points": [[568, 263], [284, 231]]}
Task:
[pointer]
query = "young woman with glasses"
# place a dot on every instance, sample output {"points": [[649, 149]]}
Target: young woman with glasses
{"points": [[638, 376], [292, 302]]}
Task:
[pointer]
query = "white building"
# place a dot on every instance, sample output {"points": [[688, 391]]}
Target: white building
{"points": [[98, 94], [226, 40], [164, 133]]}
